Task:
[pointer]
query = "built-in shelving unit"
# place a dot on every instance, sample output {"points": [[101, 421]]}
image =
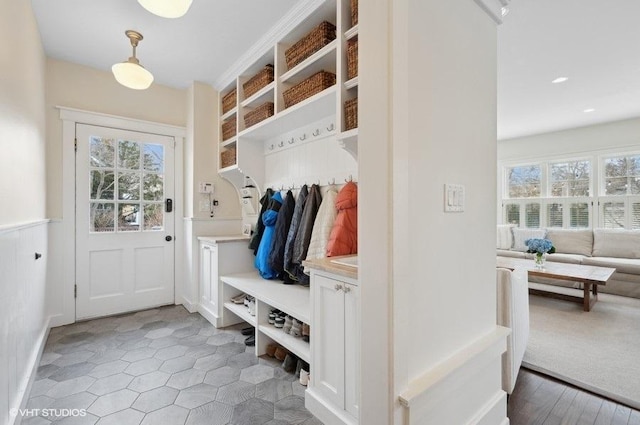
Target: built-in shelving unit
{"points": [[294, 300], [330, 102]]}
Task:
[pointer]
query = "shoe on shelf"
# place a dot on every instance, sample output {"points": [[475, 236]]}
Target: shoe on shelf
{"points": [[246, 300], [250, 341], [288, 322], [252, 307], [279, 322], [272, 317], [239, 299], [296, 328], [306, 331], [290, 362], [304, 377], [271, 349], [280, 353], [248, 331]]}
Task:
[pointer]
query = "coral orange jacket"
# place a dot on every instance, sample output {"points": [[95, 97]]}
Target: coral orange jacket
{"points": [[344, 235]]}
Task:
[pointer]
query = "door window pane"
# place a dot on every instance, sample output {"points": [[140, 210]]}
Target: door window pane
{"points": [[153, 217], [102, 184], [101, 217], [101, 152], [153, 187], [128, 217], [128, 155], [153, 157], [129, 186]]}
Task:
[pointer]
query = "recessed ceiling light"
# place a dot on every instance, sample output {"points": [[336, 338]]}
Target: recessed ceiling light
{"points": [[560, 80], [586, 111]]}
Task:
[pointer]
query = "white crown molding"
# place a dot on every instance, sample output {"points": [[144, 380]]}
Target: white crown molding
{"points": [[493, 8], [285, 25]]}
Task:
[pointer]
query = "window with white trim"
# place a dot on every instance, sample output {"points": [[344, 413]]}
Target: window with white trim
{"points": [[621, 175]]}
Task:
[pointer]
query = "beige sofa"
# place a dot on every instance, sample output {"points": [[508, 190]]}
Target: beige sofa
{"points": [[616, 248]]}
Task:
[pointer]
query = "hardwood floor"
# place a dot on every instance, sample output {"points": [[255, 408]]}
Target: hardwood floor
{"points": [[541, 400]]}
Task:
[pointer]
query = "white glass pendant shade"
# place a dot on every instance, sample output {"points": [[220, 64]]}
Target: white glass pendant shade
{"points": [[132, 75], [167, 8]]}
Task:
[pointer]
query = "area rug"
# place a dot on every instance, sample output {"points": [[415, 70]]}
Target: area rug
{"points": [[598, 351]]}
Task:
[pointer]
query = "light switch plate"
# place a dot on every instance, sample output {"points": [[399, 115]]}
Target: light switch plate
{"points": [[453, 197]]}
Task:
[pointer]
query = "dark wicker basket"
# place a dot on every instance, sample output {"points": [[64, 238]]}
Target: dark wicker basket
{"points": [[229, 129], [229, 101], [258, 81], [315, 84], [262, 112], [354, 12], [228, 157], [352, 59], [351, 114], [319, 37]]}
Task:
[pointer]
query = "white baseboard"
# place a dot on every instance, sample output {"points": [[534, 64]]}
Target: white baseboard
{"points": [[209, 315], [325, 412], [190, 306], [27, 381]]}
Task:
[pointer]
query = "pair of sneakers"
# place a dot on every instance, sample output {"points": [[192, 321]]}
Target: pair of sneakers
{"points": [[250, 302]]}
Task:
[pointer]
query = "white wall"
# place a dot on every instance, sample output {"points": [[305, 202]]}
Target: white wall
{"points": [[613, 136], [22, 123], [23, 321], [438, 278], [201, 165]]}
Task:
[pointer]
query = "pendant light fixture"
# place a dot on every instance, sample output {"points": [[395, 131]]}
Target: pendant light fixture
{"points": [[166, 8], [130, 73]]}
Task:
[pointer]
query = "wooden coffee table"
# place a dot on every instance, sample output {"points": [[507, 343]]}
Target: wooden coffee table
{"points": [[590, 276]]}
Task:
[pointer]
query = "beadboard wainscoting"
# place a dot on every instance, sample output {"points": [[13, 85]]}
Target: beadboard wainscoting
{"points": [[24, 323], [472, 375]]}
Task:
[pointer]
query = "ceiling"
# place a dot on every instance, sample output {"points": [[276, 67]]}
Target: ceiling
{"points": [[595, 43], [200, 46]]}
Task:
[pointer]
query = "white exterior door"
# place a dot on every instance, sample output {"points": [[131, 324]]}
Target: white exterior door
{"points": [[124, 221]]}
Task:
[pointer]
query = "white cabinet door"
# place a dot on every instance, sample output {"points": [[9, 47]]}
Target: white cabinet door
{"points": [[209, 279], [328, 340], [352, 347]]}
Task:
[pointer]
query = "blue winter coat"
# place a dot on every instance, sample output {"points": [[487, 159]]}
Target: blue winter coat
{"points": [[269, 220]]}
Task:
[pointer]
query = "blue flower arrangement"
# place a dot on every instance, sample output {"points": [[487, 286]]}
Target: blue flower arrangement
{"points": [[540, 246]]}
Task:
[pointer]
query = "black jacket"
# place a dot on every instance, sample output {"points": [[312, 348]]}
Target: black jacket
{"points": [[276, 255], [303, 237], [291, 235], [254, 243]]}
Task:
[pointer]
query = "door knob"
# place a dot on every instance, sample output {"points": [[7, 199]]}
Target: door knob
{"points": [[168, 238]]}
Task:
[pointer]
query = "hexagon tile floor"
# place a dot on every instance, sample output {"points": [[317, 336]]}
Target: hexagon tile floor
{"points": [[161, 367]]}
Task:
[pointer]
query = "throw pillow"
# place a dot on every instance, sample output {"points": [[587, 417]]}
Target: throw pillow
{"points": [[617, 243], [568, 241], [521, 235], [504, 236]]}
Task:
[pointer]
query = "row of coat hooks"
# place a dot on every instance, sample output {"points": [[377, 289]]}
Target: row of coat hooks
{"points": [[302, 138], [331, 182]]}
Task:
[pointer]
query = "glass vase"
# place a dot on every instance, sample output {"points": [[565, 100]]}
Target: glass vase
{"points": [[539, 259]]}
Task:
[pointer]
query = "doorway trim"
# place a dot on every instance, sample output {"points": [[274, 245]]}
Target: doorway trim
{"points": [[70, 117]]}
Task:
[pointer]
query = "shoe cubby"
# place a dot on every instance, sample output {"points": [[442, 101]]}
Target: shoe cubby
{"points": [[292, 300]]}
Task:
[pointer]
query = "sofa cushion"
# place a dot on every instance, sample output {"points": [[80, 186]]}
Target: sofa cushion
{"points": [[616, 243], [509, 253], [622, 265], [504, 238], [521, 235], [565, 258], [568, 241]]}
